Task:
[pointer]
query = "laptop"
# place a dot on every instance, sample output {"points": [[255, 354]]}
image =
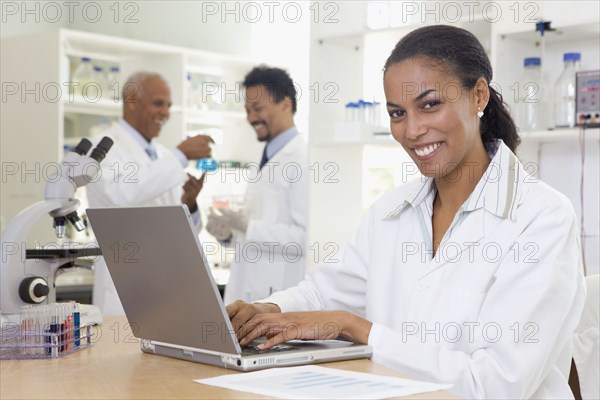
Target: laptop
{"points": [[171, 300]]}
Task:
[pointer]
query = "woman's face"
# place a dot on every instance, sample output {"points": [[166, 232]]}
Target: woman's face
{"points": [[433, 117]]}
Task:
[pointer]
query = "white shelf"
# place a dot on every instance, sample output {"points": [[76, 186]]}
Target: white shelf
{"points": [[93, 55], [559, 34], [111, 47], [560, 135], [205, 70], [212, 117], [102, 107], [357, 134]]}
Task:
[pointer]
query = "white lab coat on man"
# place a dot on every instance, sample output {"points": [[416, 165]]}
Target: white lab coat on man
{"points": [[130, 178], [270, 256], [492, 312]]}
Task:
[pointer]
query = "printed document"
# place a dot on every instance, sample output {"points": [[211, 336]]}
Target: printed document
{"points": [[314, 382]]}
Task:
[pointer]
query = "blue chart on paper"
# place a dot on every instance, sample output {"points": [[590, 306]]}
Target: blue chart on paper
{"points": [[310, 379], [314, 382], [324, 385]]}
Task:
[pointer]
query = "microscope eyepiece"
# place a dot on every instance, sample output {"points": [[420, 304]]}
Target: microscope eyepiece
{"points": [[101, 149], [76, 221], [59, 226], [83, 147]]}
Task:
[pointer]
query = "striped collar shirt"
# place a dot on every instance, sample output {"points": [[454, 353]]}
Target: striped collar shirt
{"points": [[496, 192]]}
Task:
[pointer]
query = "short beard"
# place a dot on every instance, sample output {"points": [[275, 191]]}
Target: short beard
{"points": [[265, 138]]}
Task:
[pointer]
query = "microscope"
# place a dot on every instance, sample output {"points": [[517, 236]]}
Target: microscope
{"points": [[28, 276]]}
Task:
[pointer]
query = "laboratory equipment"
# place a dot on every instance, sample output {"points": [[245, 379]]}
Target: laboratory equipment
{"points": [[99, 80], [28, 275], [351, 112], [191, 92], [564, 92], [531, 98], [112, 83], [82, 76], [364, 112], [587, 97], [45, 331]]}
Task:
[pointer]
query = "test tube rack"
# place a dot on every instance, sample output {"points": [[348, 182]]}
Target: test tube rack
{"points": [[45, 331], [17, 344]]}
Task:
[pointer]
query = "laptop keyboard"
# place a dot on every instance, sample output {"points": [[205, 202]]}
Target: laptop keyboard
{"points": [[254, 350]]}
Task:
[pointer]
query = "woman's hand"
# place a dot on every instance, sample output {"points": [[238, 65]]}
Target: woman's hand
{"points": [[314, 325], [241, 312]]}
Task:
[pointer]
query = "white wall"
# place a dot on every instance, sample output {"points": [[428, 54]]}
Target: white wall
{"points": [[281, 39], [195, 24]]}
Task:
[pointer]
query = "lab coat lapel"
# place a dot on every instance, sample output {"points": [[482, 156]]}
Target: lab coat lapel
{"points": [[460, 246], [494, 197], [126, 141], [262, 180], [289, 149]]}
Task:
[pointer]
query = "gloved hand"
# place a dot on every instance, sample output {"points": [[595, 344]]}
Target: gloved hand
{"points": [[217, 227], [234, 219]]}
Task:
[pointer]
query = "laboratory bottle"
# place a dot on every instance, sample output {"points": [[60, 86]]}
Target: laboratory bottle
{"points": [[368, 112], [532, 99], [564, 92], [376, 113], [351, 112], [191, 92], [83, 74], [113, 91], [362, 109], [99, 88]]}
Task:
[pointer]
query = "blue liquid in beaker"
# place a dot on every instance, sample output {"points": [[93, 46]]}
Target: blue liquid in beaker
{"points": [[206, 165]]}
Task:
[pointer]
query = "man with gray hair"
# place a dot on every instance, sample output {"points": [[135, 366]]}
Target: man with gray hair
{"points": [[139, 171]]}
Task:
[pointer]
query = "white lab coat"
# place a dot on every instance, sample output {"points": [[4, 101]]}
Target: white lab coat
{"points": [[271, 255], [492, 313], [130, 178], [586, 342]]}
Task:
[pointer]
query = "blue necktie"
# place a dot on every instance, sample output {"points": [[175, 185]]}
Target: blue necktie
{"points": [[264, 158], [151, 153]]}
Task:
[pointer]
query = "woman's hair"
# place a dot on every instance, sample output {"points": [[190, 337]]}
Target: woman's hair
{"points": [[465, 58]]}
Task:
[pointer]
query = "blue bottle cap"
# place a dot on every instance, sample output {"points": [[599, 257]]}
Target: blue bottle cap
{"points": [[532, 61], [114, 69], [97, 68], [86, 59], [571, 56]]}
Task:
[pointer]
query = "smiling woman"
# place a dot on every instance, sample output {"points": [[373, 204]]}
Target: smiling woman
{"points": [[470, 276], [445, 114]]}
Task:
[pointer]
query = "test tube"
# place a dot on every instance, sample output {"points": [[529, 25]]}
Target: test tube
{"points": [[54, 330], [76, 323], [23, 341]]}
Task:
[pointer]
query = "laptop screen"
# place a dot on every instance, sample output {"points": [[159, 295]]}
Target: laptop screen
{"points": [[162, 277]]}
